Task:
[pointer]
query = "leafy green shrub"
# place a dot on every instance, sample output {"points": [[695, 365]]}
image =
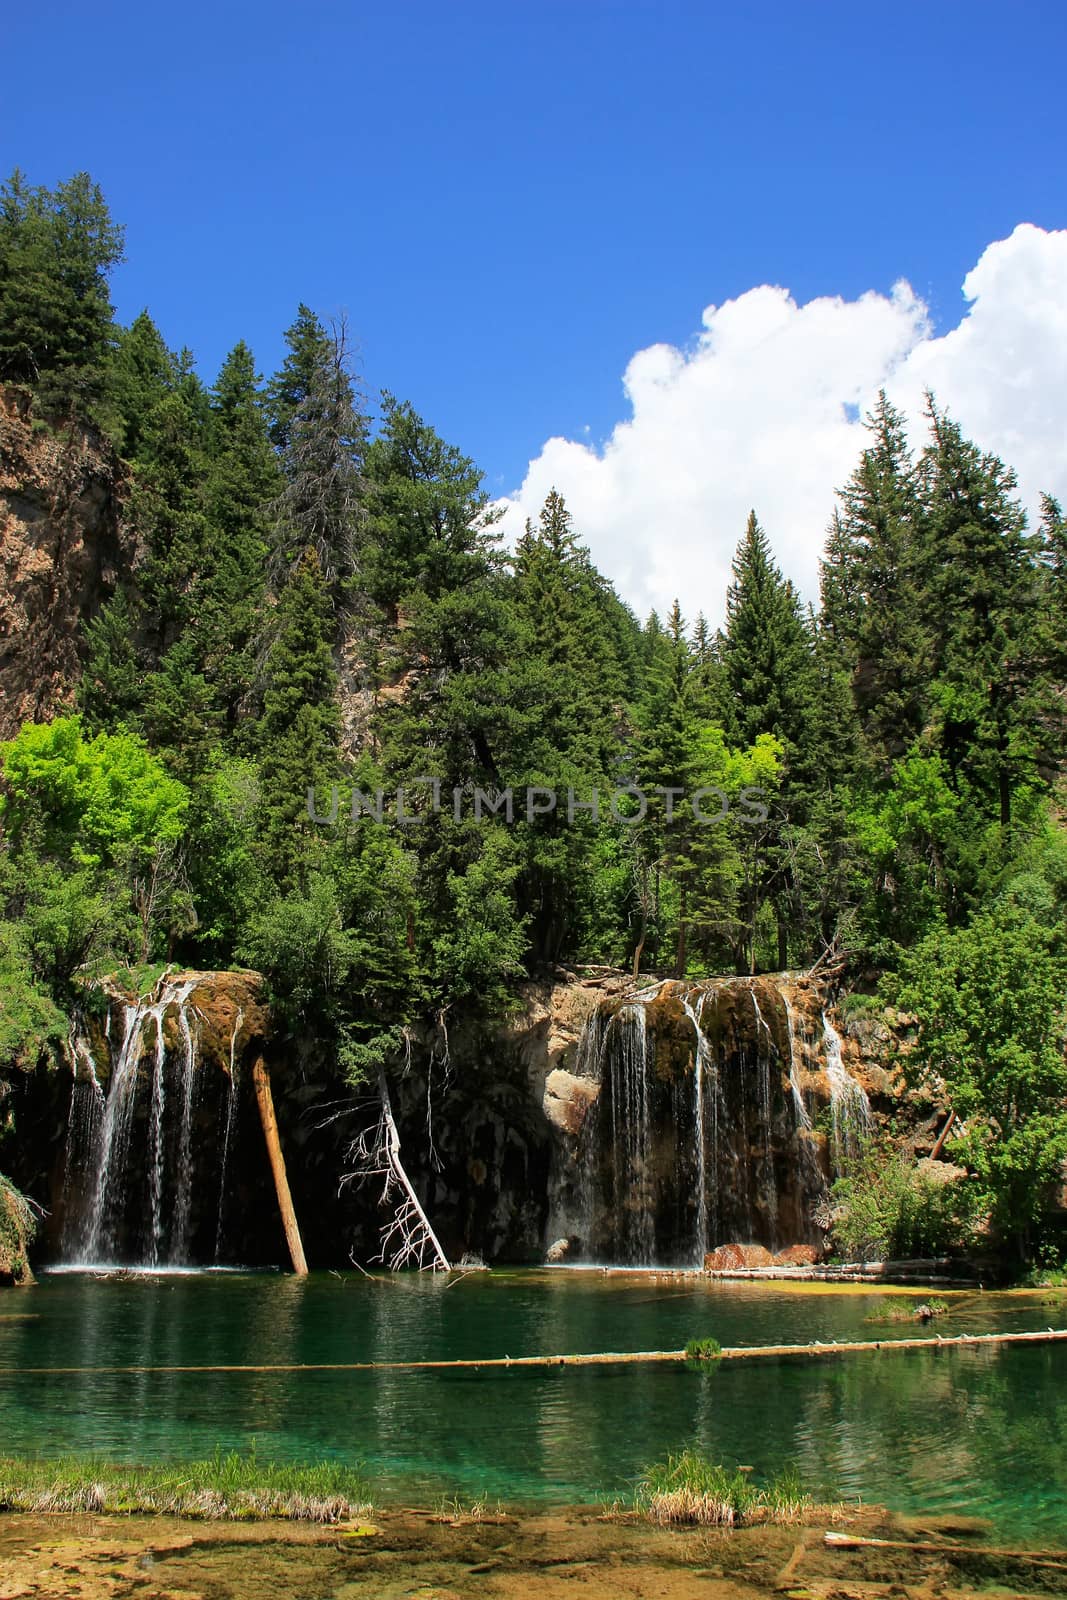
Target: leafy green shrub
{"points": [[888, 1207]]}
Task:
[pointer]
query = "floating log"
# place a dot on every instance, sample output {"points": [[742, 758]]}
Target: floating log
{"points": [[607, 1358], [1053, 1560], [265, 1101]]}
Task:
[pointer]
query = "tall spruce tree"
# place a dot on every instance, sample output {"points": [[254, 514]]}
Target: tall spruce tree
{"points": [[56, 251], [309, 346], [299, 731], [872, 577], [243, 482], [321, 506], [982, 605], [769, 664]]}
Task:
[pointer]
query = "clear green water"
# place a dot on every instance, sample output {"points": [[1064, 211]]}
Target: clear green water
{"points": [[981, 1431]]}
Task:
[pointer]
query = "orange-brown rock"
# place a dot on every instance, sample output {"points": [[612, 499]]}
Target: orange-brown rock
{"points": [[62, 551], [230, 1009], [797, 1255], [737, 1258]]}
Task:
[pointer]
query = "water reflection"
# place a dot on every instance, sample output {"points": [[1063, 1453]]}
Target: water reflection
{"points": [[983, 1429]]}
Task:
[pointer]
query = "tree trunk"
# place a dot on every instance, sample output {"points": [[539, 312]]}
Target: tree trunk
{"points": [[265, 1101], [680, 957], [411, 1219]]}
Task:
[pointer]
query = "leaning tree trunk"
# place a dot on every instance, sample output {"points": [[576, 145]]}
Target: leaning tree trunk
{"points": [[265, 1101]]}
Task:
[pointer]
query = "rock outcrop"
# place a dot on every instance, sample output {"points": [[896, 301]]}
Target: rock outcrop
{"points": [[63, 549]]}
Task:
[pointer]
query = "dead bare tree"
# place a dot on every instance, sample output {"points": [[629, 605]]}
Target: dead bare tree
{"points": [[407, 1238]]}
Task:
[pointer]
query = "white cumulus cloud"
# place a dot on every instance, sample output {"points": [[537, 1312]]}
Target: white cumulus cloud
{"points": [[761, 412]]}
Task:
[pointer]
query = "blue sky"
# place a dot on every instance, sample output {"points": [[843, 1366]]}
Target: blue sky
{"points": [[510, 199]]}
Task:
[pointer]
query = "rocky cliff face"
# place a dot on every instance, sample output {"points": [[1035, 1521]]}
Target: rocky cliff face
{"points": [[621, 1123], [62, 551]]}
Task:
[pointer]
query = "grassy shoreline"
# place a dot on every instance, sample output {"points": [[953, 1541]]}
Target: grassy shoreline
{"points": [[225, 1487], [239, 1487]]}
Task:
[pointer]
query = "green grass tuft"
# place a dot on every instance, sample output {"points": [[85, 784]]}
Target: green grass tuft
{"points": [[699, 1352], [231, 1486], [688, 1488], [920, 1311]]}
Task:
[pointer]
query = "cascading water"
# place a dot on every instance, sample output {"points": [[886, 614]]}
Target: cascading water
{"points": [[703, 1067], [84, 1123], [631, 1134], [116, 1204], [767, 1184], [189, 1078], [805, 1127], [113, 1146], [232, 1100], [700, 1134], [850, 1108]]}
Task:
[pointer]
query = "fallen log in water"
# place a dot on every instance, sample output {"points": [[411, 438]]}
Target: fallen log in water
{"points": [[608, 1358], [1052, 1560]]}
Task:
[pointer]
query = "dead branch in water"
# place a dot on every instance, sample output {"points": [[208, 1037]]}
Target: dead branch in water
{"points": [[407, 1239]]}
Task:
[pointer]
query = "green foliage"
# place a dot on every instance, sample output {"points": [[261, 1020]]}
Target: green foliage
{"points": [[90, 801], [895, 1312], [30, 1020], [701, 1352], [336, 953], [311, 606], [56, 250], [18, 1228], [322, 432], [888, 1208], [989, 1000], [299, 730], [94, 864]]}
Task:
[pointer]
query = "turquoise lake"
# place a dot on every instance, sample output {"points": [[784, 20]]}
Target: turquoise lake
{"points": [[981, 1431]]}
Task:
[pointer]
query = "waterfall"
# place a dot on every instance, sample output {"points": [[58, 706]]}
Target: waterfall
{"points": [[850, 1108], [232, 1099], [631, 1135], [701, 1135], [767, 1187], [100, 1134], [115, 1131], [700, 1066], [805, 1130], [184, 1198], [83, 1132]]}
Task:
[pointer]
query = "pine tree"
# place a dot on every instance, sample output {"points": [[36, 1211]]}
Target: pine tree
{"points": [[309, 347], [299, 731], [433, 564], [767, 653], [168, 508], [982, 604], [143, 371], [321, 506], [568, 670], [872, 589], [56, 251], [242, 486], [110, 692], [769, 664]]}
